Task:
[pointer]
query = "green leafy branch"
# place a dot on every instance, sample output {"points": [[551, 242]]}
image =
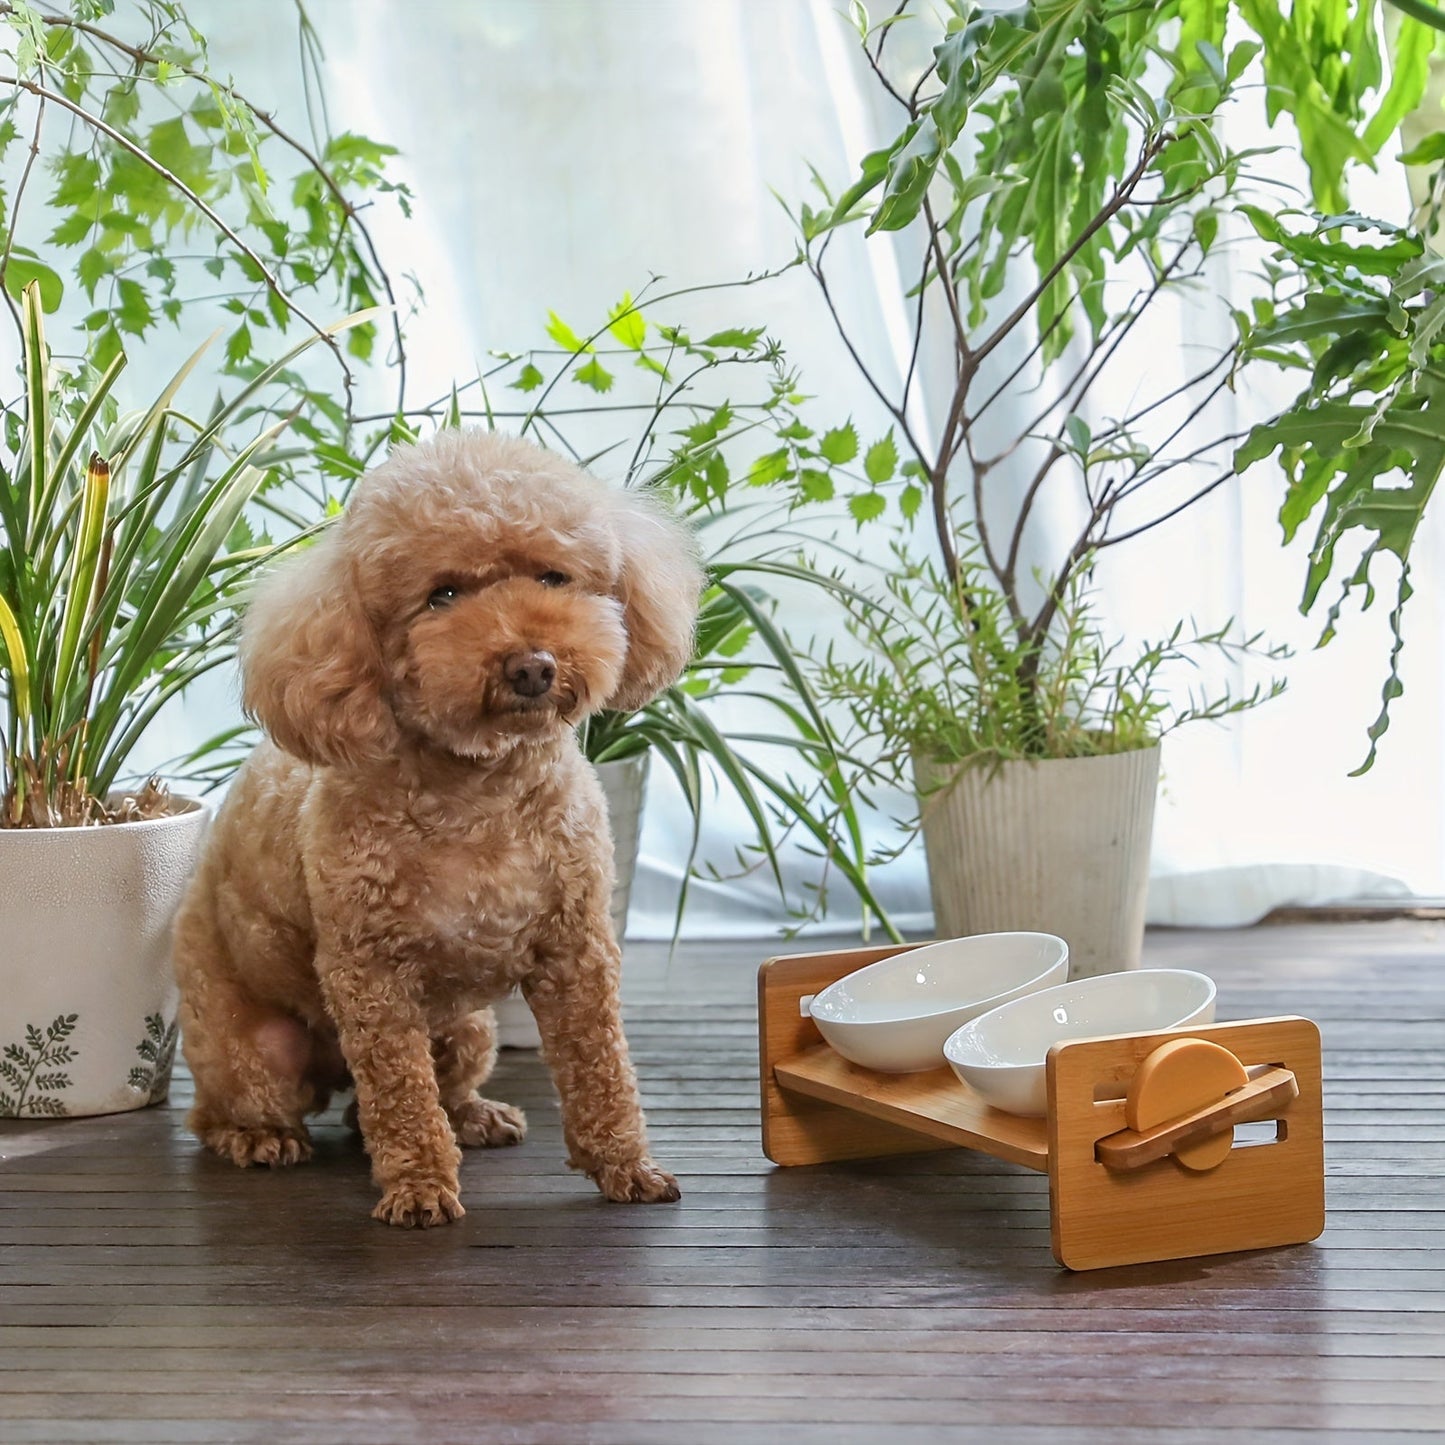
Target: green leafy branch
{"points": [[1359, 307]]}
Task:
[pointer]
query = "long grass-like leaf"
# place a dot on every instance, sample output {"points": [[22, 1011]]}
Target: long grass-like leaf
{"points": [[85, 562], [184, 564], [71, 446], [37, 400], [18, 666], [716, 746]]}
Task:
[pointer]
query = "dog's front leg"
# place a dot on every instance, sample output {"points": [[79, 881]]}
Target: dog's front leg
{"points": [[384, 1036], [578, 1011]]}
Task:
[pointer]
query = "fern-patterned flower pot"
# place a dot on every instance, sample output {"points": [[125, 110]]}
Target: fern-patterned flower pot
{"points": [[87, 995]]}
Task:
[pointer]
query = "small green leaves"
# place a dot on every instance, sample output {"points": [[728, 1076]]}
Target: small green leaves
{"points": [[528, 379]]}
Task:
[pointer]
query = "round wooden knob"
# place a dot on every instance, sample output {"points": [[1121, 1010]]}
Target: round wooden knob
{"points": [[1178, 1078]]}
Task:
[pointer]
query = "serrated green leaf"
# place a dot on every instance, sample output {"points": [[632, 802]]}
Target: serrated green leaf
{"points": [[238, 344], [815, 485], [134, 313], [735, 339], [563, 334], [626, 324], [867, 506], [881, 460], [528, 379], [595, 375], [840, 445], [770, 468]]}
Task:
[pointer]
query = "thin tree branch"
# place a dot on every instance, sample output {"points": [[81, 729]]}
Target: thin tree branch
{"points": [[1219, 481], [1122, 194], [896, 412]]}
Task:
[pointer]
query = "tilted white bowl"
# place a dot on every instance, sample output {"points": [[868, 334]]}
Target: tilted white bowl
{"points": [[1001, 1054], [895, 1014]]}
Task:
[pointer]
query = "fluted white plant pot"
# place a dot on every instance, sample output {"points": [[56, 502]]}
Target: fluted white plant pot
{"points": [[87, 995], [623, 785], [1057, 846]]}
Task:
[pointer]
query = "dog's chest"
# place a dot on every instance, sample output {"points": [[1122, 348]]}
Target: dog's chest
{"points": [[484, 893]]}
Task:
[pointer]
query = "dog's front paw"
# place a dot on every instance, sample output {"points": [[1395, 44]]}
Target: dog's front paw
{"points": [[418, 1206], [275, 1147], [486, 1124], [639, 1183]]}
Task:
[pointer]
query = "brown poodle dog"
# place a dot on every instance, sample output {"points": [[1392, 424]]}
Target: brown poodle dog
{"points": [[422, 832]]}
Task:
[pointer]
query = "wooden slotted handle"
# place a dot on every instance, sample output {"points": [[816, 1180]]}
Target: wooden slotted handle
{"points": [[1269, 1089]]}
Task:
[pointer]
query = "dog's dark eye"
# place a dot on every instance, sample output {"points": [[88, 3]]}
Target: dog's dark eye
{"points": [[442, 597], [554, 579]]}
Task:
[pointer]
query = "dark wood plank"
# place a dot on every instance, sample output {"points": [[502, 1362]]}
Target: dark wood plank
{"points": [[148, 1293]]}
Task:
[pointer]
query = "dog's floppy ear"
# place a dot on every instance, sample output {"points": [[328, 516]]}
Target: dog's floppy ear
{"points": [[659, 587], [310, 665]]}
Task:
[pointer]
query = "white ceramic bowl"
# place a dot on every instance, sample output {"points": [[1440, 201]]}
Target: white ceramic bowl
{"points": [[895, 1014], [1001, 1054]]}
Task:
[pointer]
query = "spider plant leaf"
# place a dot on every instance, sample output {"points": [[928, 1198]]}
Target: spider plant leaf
{"points": [[84, 567], [158, 408], [17, 663], [782, 653], [144, 708], [179, 567], [86, 419], [37, 400], [735, 770], [268, 374]]}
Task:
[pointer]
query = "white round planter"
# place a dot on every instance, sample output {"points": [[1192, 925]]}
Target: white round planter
{"points": [[1058, 846], [623, 785], [88, 1019]]}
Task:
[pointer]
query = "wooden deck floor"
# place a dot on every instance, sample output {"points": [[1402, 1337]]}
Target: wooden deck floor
{"points": [[148, 1293]]}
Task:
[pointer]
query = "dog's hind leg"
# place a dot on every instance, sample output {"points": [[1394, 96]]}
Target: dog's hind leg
{"points": [[465, 1053], [251, 1064]]}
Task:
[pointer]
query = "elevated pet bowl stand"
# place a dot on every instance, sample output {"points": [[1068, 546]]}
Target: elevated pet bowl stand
{"points": [[1116, 1195]]}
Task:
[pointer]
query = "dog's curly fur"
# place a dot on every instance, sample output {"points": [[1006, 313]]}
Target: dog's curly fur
{"points": [[422, 833]]}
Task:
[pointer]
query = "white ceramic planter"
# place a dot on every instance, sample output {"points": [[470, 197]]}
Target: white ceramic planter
{"points": [[623, 784], [1059, 846], [87, 996]]}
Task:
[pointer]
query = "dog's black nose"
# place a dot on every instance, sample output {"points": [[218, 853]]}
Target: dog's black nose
{"points": [[531, 674]]}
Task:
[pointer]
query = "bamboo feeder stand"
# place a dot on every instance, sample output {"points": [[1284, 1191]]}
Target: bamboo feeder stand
{"points": [[1138, 1141]]}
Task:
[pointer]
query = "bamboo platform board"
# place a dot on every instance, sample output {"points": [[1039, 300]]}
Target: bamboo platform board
{"points": [[153, 1296], [1109, 1204]]}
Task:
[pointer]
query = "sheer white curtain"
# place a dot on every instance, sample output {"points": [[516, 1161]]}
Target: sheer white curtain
{"points": [[561, 152]]}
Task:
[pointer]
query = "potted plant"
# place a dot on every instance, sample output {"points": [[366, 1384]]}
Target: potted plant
{"points": [[119, 574], [127, 536], [1059, 178]]}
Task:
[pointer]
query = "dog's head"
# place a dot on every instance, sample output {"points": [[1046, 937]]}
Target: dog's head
{"points": [[479, 592]]}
